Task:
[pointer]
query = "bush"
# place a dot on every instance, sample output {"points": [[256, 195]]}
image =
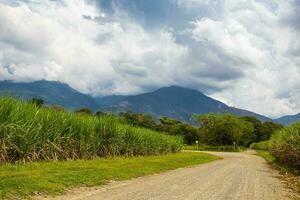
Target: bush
{"points": [[286, 146], [30, 133], [264, 145], [84, 111]]}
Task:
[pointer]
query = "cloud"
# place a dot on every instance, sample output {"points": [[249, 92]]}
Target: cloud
{"points": [[94, 54], [245, 53]]}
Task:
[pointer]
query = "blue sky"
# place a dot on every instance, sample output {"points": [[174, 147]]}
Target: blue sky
{"points": [[245, 53]]}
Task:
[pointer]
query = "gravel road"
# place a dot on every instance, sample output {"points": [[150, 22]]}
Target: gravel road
{"points": [[239, 176]]}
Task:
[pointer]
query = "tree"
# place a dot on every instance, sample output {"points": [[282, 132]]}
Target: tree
{"points": [[38, 102], [189, 133], [138, 119], [166, 124], [224, 129], [262, 131], [268, 129], [84, 111], [100, 113], [257, 125]]}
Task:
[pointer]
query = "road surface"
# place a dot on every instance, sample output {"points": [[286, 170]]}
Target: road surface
{"points": [[239, 176]]}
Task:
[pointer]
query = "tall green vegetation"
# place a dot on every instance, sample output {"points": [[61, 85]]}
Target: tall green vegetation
{"points": [[31, 133], [228, 129], [38, 102], [166, 125], [225, 129], [262, 131], [214, 129], [138, 119], [285, 146]]}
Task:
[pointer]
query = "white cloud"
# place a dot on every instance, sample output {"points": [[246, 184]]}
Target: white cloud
{"points": [[246, 53], [251, 33], [51, 40]]}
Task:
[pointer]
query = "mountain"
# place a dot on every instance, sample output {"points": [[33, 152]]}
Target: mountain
{"points": [[52, 92], [175, 102], [109, 100], [288, 119]]}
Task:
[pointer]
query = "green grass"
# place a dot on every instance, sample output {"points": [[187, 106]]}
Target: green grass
{"points": [[263, 145], [266, 155], [202, 147], [51, 178], [29, 133]]}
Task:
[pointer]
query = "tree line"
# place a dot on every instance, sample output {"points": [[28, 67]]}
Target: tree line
{"points": [[210, 129]]}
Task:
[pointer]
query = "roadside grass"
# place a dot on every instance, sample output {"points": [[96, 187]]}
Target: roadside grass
{"points": [[291, 177], [53, 178], [202, 147]]}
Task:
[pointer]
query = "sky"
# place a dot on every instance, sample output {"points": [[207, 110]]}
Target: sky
{"points": [[245, 53]]}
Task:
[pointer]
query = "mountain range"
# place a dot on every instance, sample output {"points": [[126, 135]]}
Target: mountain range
{"points": [[288, 119], [175, 102], [52, 92]]}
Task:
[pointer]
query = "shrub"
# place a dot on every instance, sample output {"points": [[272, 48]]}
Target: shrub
{"points": [[264, 145], [286, 146], [84, 111]]}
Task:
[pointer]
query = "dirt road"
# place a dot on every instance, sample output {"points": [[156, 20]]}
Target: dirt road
{"points": [[239, 176]]}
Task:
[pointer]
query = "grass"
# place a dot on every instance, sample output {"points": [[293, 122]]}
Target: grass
{"points": [[272, 160], [263, 145], [202, 147], [29, 133], [52, 178]]}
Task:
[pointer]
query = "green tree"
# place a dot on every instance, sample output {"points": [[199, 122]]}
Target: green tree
{"points": [[138, 119], [224, 129], [166, 124], [268, 129], [262, 131], [38, 102], [189, 133], [257, 125]]}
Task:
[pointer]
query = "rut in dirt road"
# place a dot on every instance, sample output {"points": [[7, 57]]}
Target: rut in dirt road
{"points": [[239, 176]]}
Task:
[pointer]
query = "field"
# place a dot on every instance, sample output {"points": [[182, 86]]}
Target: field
{"points": [[29, 133], [55, 177]]}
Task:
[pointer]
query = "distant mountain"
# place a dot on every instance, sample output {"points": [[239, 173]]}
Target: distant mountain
{"points": [[175, 102], [288, 119], [52, 92], [109, 100]]}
